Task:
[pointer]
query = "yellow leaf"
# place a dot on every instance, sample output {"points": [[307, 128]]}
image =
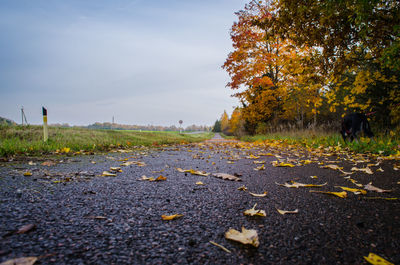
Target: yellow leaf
{"points": [[199, 183], [252, 157], [137, 163], [381, 198], [116, 169], [248, 237], [220, 246], [20, 261], [342, 194], [226, 176], [243, 188], [253, 211], [262, 167], [171, 217], [258, 162], [285, 212], [108, 174], [355, 191], [258, 195], [313, 177], [27, 173], [281, 164], [65, 150], [376, 260]]}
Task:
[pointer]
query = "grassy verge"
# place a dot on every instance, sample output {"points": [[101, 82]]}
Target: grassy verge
{"points": [[229, 137], [381, 144], [28, 140]]}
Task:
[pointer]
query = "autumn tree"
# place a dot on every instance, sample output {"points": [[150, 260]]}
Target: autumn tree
{"points": [[225, 123], [236, 123], [360, 45]]}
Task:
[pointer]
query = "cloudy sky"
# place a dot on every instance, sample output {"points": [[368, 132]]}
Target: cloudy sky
{"points": [[143, 62]]}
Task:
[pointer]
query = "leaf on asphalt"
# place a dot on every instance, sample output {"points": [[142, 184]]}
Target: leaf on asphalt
{"points": [[243, 188], [342, 194], [334, 167], [381, 198], [193, 172], [97, 217], [258, 195], [346, 173], [253, 212], [262, 167], [31, 163], [355, 191], [252, 157], [108, 174], [226, 176], [376, 260], [373, 188], [247, 237], [380, 170], [297, 184], [281, 164], [199, 183], [285, 212], [313, 177], [220, 246], [355, 182], [160, 178], [115, 169], [26, 228], [146, 178], [366, 170], [49, 163], [258, 162], [20, 261], [171, 217], [27, 174], [137, 163]]}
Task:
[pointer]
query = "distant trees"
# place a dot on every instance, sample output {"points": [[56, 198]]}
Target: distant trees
{"points": [[113, 126], [217, 126]]}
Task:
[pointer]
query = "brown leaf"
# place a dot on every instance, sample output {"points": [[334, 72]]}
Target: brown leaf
{"points": [[373, 188], [20, 261], [226, 176], [26, 228]]}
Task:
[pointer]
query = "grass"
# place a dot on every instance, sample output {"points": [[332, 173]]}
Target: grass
{"points": [[28, 140], [381, 144]]}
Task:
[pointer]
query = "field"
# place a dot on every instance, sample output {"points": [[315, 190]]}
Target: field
{"points": [[28, 140]]}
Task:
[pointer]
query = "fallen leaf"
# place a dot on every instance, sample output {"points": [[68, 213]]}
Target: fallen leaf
{"points": [[355, 191], [27, 174], [146, 178], [116, 169], [248, 237], [285, 212], [281, 164], [31, 163], [262, 167], [253, 211], [193, 172], [373, 188], [49, 163], [199, 183], [366, 170], [243, 188], [380, 170], [258, 195], [376, 260], [355, 182], [342, 194], [108, 174], [334, 167], [252, 157], [258, 162], [297, 185], [171, 217], [98, 217], [381, 198], [26, 228], [137, 163], [20, 261], [160, 178], [313, 177], [220, 246], [226, 176]]}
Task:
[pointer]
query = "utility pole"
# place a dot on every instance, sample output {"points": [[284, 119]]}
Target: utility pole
{"points": [[23, 117]]}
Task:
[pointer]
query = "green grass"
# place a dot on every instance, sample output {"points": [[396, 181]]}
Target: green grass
{"points": [[381, 144], [28, 140]]}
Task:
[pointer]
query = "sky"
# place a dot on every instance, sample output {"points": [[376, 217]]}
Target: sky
{"points": [[142, 62]]}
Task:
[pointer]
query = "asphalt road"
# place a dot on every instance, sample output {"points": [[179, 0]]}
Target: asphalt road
{"points": [[80, 217]]}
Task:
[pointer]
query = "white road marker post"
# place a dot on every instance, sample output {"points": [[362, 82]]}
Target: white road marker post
{"points": [[45, 129]]}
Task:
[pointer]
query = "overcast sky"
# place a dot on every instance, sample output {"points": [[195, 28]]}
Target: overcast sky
{"points": [[143, 62]]}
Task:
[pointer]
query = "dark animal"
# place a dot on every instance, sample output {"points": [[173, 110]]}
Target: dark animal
{"points": [[353, 124]]}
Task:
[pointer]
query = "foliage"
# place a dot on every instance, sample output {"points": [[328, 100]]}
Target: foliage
{"points": [[217, 126], [225, 123]]}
